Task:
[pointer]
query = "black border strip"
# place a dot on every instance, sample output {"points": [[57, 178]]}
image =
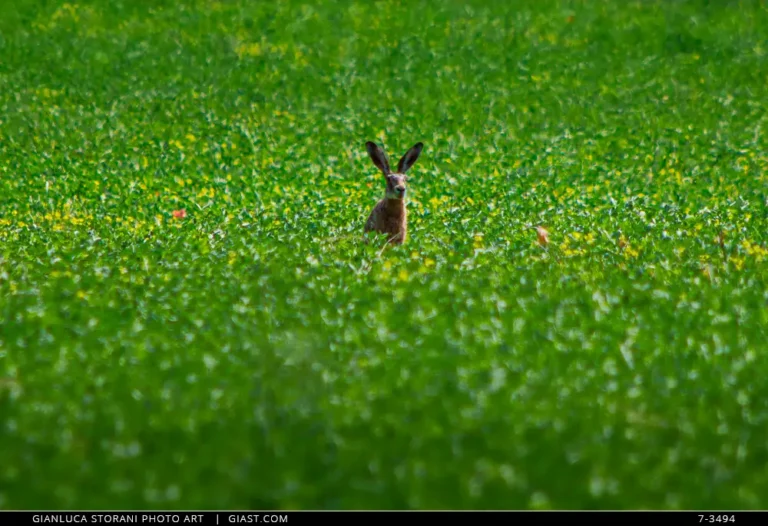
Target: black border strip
{"points": [[277, 517]]}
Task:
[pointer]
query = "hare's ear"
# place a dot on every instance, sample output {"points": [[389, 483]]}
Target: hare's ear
{"points": [[379, 157], [409, 158]]}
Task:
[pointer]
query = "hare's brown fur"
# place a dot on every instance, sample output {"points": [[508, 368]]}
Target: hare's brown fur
{"points": [[390, 215]]}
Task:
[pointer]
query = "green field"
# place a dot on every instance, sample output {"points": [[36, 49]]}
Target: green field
{"points": [[256, 354]]}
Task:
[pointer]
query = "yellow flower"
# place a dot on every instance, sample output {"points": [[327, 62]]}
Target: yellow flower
{"points": [[253, 49]]}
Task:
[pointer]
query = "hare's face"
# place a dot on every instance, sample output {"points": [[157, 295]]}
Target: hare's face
{"points": [[395, 179], [396, 186]]}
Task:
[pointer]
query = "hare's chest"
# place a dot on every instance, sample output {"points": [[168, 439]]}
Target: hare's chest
{"points": [[395, 221]]}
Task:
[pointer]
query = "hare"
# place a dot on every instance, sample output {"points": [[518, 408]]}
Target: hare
{"points": [[390, 216]]}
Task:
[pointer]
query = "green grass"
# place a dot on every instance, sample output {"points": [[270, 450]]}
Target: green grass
{"points": [[256, 354]]}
